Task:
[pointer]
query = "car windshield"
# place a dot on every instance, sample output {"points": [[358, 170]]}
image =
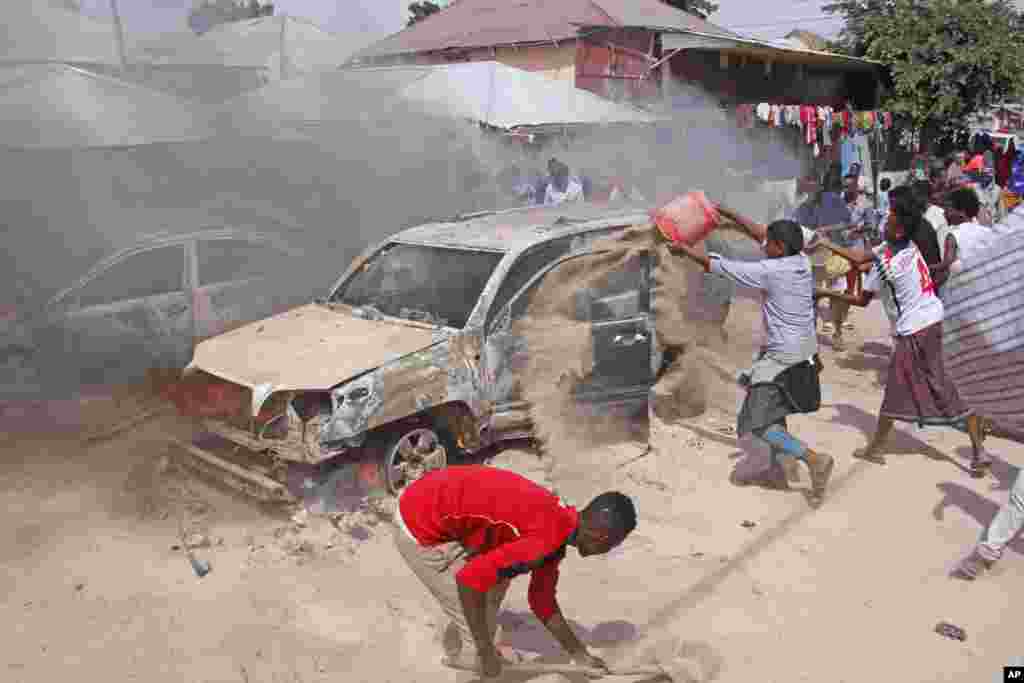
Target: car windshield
{"points": [[434, 285]]}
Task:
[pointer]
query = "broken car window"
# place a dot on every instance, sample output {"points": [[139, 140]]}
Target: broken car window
{"points": [[528, 265], [141, 275], [435, 285]]}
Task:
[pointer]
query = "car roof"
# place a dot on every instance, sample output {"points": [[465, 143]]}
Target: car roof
{"points": [[518, 229], [165, 239]]}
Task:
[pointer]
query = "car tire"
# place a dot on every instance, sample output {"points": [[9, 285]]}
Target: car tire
{"points": [[406, 454]]}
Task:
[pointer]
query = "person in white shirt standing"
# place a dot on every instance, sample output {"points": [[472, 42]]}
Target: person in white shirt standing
{"points": [[966, 236], [563, 187], [917, 388]]}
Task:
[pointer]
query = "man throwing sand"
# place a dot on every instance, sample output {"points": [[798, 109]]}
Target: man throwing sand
{"points": [[467, 531], [784, 377]]}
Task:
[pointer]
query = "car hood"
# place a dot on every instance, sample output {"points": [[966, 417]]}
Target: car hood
{"points": [[312, 347]]}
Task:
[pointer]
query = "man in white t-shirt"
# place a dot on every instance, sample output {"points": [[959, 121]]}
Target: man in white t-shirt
{"points": [[966, 236], [563, 187]]}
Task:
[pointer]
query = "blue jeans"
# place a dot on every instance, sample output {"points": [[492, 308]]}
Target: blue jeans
{"points": [[781, 442]]}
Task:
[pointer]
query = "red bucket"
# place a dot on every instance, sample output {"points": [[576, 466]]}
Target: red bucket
{"points": [[687, 219]]}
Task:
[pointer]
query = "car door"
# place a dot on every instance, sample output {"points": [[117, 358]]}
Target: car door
{"points": [[501, 349], [617, 312], [618, 309], [235, 282], [135, 311]]}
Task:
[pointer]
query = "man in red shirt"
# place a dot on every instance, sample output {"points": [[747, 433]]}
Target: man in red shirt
{"points": [[467, 531]]}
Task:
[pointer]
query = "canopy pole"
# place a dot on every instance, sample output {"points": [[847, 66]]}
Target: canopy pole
{"points": [[281, 61], [119, 34]]}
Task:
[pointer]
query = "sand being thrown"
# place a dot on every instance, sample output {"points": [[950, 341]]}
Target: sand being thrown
{"points": [[699, 377]]}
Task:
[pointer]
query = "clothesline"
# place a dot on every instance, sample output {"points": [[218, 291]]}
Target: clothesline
{"points": [[821, 126]]}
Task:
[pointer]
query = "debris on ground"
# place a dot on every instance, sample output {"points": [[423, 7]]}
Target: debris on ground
{"points": [[951, 631]]}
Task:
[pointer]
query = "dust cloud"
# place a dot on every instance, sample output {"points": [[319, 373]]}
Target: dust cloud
{"points": [[326, 164]]}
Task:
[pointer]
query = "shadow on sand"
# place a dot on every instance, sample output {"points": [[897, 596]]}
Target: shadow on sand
{"points": [[900, 442]]}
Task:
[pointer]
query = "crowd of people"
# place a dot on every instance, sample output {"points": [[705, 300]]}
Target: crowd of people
{"points": [[561, 185], [466, 532], [909, 270]]}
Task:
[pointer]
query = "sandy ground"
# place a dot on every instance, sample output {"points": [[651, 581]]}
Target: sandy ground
{"points": [[95, 587]]}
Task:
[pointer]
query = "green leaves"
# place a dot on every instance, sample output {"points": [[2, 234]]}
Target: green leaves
{"points": [[702, 8], [418, 11], [949, 58]]}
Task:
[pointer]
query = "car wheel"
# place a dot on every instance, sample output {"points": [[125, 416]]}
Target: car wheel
{"points": [[410, 453]]}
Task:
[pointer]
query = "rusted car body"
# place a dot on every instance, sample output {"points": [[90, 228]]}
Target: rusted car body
{"points": [[410, 357]]}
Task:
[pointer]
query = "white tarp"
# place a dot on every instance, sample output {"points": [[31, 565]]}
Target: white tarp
{"points": [[34, 31], [983, 332], [506, 97], [259, 42], [54, 106]]}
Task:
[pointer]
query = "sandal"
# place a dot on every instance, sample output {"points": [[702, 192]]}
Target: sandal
{"points": [[980, 469], [971, 567], [863, 454]]}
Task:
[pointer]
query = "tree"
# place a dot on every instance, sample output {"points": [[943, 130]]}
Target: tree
{"points": [[949, 58], [701, 8], [419, 11], [853, 38]]}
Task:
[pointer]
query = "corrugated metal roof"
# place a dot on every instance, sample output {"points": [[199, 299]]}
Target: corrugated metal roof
{"points": [[39, 32], [58, 106], [485, 23], [783, 50]]}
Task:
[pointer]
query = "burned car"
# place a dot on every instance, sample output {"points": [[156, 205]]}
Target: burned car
{"points": [[409, 361], [148, 304]]}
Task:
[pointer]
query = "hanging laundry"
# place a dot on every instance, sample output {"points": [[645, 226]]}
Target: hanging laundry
{"points": [[888, 120], [764, 110], [848, 154], [826, 129], [745, 116], [807, 122], [779, 116]]}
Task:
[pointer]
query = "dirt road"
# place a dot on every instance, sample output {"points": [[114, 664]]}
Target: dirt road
{"points": [[95, 587]]}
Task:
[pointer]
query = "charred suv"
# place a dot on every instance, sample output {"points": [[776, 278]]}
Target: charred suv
{"points": [[409, 362]]}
